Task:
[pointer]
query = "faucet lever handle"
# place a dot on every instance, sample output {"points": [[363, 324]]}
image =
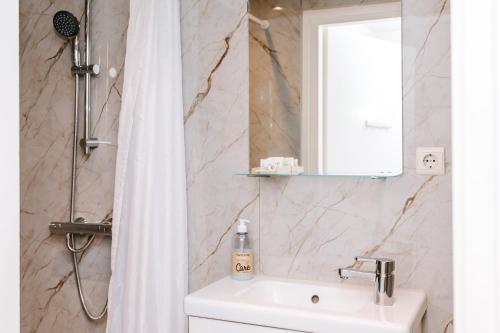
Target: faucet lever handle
{"points": [[373, 260], [384, 266], [366, 259]]}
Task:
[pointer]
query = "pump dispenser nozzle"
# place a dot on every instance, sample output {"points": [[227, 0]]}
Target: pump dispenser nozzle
{"points": [[242, 226]]}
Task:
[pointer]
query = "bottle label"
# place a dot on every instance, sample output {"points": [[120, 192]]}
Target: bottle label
{"points": [[242, 263]]}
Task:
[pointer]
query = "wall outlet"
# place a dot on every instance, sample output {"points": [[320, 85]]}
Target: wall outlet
{"points": [[430, 161]]}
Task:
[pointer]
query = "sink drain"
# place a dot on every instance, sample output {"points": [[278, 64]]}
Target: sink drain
{"points": [[315, 299]]}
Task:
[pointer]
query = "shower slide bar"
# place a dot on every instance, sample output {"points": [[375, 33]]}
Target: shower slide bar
{"points": [[68, 26], [63, 228]]}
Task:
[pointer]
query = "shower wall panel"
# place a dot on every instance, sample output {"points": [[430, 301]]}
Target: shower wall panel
{"points": [[49, 299]]}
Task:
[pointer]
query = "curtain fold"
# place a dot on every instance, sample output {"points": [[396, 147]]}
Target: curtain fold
{"points": [[149, 246]]}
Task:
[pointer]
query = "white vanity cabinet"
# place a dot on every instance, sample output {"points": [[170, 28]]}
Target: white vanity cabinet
{"points": [[202, 325]]}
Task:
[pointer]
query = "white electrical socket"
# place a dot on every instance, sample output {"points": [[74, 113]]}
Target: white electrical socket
{"points": [[430, 161]]}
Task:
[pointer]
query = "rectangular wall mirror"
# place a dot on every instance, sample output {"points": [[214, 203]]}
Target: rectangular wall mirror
{"points": [[325, 87]]}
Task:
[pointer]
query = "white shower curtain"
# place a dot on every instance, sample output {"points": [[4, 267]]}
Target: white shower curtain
{"points": [[149, 246]]}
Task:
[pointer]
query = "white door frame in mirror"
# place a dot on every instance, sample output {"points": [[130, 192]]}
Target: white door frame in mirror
{"points": [[311, 90], [476, 164]]}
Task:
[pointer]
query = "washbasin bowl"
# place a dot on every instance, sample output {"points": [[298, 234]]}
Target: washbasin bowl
{"points": [[306, 306], [306, 295]]}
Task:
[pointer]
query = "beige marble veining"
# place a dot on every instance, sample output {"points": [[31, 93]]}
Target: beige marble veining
{"points": [[49, 299], [215, 87], [309, 227], [301, 227]]}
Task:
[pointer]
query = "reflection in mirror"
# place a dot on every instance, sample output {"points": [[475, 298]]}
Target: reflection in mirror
{"points": [[325, 87]]}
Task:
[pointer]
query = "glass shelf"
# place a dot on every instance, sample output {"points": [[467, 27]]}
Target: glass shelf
{"points": [[267, 175]]}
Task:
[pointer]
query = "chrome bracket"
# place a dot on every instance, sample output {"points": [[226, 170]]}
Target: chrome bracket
{"points": [[94, 69]]}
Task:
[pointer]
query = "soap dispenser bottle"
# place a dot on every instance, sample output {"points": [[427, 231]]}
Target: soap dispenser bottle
{"points": [[242, 256]]}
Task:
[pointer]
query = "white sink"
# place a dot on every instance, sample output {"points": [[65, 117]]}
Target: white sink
{"points": [[288, 304]]}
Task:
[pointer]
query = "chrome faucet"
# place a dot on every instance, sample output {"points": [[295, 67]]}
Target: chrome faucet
{"points": [[383, 276]]}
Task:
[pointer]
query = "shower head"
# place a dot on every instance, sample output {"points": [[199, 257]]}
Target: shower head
{"points": [[66, 24]]}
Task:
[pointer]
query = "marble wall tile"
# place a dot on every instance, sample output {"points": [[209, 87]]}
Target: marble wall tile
{"points": [[215, 67], [49, 299], [312, 226], [309, 227]]}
